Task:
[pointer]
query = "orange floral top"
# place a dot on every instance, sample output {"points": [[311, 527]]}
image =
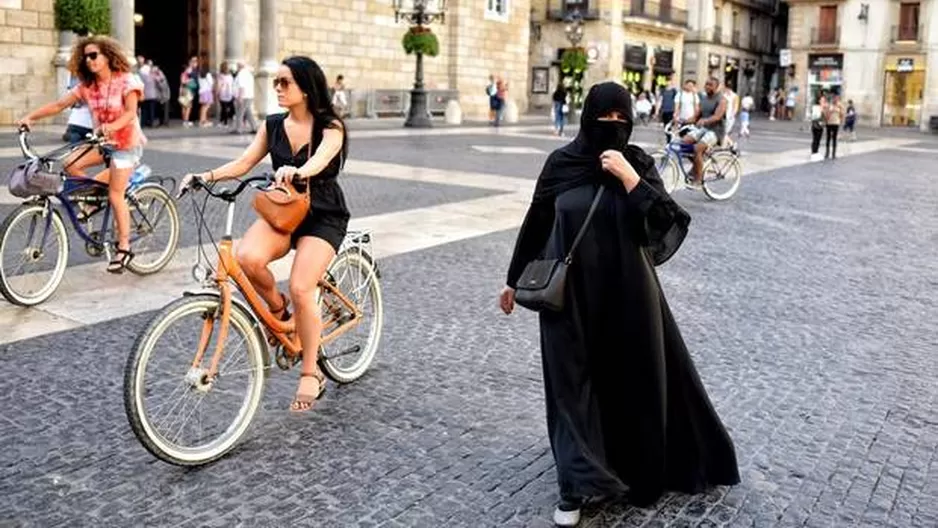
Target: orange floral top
{"points": [[106, 102]]}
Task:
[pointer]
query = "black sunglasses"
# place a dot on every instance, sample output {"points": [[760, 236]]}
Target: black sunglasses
{"points": [[92, 56], [282, 81]]}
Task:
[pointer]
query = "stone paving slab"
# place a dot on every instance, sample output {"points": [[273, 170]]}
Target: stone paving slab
{"points": [[803, 301]]}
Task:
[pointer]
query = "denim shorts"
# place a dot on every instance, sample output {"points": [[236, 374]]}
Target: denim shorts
{"points": [[126, 159]]}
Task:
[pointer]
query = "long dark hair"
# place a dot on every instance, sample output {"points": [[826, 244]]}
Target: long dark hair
{"points": [[311, 80]]}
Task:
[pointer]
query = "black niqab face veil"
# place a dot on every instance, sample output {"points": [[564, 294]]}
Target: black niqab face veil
{"points": [[600, 135], [578, 163]]}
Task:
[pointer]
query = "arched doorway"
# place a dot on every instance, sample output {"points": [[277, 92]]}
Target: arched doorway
{"points": [[169, 32]]}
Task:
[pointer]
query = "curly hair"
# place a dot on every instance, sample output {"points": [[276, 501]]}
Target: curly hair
{"points": [[110, 48]]}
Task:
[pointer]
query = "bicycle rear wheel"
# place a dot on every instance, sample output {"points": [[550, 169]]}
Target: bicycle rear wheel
{"points": [[33, 254], [346, 358], [154, 224], [722, 175], [160, 365]]}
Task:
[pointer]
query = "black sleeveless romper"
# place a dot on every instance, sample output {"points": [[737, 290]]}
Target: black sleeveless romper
{"points": [[328, 215]]}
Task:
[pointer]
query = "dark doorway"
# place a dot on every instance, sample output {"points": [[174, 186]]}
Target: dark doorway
{"points": [[170, 33]]}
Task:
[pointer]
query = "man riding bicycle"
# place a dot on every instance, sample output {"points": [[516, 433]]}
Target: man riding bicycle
{"points": [[710, 129]]}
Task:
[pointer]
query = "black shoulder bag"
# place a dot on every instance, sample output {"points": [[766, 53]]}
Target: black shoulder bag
{"points": [[542, 283]]}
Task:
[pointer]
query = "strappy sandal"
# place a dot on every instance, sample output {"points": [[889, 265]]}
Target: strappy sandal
{"points": [[122, 257], [285, 315], [304, 402]]}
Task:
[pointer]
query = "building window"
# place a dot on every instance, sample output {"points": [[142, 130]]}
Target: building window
{"points": [[908, 21], [827, 30], [496, 9]]}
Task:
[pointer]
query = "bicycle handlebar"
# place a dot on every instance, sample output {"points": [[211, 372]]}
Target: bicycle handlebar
{"points": [[231, 194], [23, 136]]}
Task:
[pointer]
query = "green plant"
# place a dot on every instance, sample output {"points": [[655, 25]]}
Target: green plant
{"points": [[573, 61], [83, 16], [419, 39]]}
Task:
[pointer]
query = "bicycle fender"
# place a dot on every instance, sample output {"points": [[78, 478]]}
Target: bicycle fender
{"points": [[239, 304]]}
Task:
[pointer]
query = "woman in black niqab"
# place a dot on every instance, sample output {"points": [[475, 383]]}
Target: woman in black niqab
{"points": [[626, 410]]}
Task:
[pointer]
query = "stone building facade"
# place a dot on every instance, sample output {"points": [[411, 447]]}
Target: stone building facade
{"points": [[27, 49], [359, 39], [636, 42], [882, 55], [735, 41]]}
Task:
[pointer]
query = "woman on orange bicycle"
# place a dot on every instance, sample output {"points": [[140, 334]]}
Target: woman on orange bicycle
{"points": [[307, 145], [112, 93]]}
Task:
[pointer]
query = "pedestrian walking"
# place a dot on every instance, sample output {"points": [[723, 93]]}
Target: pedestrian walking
{"points": [[833, 118], [627, 413], [561, 108], [148, 107], [745, 115], [189, 89], [244, 90], [817, 126], [226, 94], [850, 120], [666, 102], [164, 93], [206, 95]]}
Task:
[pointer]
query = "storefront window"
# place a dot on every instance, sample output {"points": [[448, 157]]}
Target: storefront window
{"points": [[902, 102]]}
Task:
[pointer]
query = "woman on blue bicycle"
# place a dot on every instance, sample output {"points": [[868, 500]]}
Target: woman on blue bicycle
{"points": [[112, 93]]}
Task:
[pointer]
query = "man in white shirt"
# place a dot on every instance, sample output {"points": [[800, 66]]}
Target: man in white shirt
{"points": [[244, 99], [80, 123], [687, 104], [745, 114]]}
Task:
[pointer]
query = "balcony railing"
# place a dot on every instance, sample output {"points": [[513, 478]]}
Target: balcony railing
{"points": [[654, 11], [906, 34], [736, 38], [825, 36], [561, 9], [717, 35]]}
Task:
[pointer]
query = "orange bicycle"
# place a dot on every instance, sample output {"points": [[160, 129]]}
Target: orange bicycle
{"points": [[181, 389]]}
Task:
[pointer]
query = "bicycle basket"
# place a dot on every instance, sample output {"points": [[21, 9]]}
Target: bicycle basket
{"points": [[34, 178]]}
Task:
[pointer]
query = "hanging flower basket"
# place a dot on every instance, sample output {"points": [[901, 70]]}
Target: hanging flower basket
{"points": [[574, 61], [421, 40]]}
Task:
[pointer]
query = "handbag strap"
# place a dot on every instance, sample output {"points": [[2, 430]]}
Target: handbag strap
{"points": [[586, 223]]}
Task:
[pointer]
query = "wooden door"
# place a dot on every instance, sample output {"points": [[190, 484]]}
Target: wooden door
{"points": [[827, 26], [908, 21]]}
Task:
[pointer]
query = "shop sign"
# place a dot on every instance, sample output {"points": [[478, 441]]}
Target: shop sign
{"points": [[714, 60], [818, 62], [784, 57], [664, 60], [635, 57], [905, 65]]}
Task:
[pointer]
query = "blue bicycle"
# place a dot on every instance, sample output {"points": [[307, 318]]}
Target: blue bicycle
{"points": [[722, 171], [34, 244]]}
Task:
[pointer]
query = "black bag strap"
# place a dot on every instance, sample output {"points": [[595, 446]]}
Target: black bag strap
{"points": [[586, 223]]}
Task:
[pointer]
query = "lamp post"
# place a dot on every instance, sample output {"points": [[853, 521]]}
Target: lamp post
{"points": [[574, 28], [419, 13]]}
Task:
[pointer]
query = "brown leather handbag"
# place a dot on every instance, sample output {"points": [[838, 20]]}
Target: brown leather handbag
{"points": [[282, 206]]}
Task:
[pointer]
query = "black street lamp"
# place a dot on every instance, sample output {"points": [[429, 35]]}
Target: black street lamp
{"points": [[574, 28], [418, 13]]}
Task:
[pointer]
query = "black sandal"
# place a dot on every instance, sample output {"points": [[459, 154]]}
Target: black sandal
{"points": [[304, 402], [285, 316], [122, 257]]}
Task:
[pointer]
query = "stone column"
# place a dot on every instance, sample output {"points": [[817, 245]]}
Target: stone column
{"points": [[122, 24], [234, 31], [62, 75], [266, 100]]}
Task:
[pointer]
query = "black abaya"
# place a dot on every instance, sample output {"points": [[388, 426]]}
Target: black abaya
{"points": [[626, 410]]}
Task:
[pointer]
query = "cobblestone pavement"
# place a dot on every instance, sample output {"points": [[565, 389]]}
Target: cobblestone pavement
{"points": [[804, 300]]}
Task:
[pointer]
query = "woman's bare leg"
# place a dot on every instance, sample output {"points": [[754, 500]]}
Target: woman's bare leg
{"points": [[313, 256], [79, 160], [260, 246], [117, 186]]}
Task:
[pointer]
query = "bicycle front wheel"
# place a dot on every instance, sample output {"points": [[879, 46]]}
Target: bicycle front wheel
{"points": [[722, 175], [177, 414], [346, 358], [667, 170], [155, 229], [33, 254]]}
